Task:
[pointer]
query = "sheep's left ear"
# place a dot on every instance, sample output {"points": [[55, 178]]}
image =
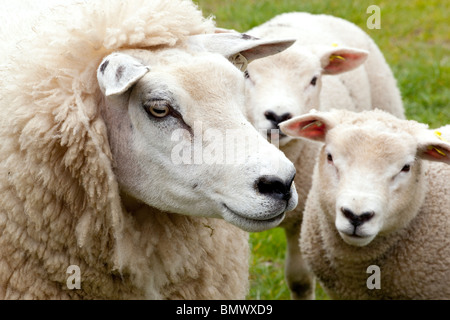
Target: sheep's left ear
{"points": [[433, 146], [239, 48], [313, 125], [118, 72], [335, 60]]}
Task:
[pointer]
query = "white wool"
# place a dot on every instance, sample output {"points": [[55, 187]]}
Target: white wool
{"points": [[281, 83], [376, 166], [60, 201], [89, 178]]}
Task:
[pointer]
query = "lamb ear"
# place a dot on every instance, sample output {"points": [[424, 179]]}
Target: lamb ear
{"points": [[313, 125], [239, 48], [118, 72], [433, 146], [337, 60]]}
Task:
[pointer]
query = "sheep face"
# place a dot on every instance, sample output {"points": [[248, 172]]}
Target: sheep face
{"points": [[370, 173], [175, 122], [369, 177], [289, 84]]}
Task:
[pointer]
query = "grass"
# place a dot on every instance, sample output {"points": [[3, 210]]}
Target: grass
{"points": [[415, 39]]}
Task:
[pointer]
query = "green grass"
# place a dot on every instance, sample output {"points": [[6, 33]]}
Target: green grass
{"points": [[415, 39], [266, 272]]}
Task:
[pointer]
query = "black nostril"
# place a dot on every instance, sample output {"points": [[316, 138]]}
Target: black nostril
{"points": [[286, 116], [357, 220], [274, 187], [271, 116], [349, 215], [366, 216]]}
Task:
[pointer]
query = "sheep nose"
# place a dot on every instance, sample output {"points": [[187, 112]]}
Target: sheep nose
{"points": [[275, 119], [357, 219], [274, 187]]}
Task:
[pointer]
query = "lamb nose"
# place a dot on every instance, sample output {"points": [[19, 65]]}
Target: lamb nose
{"points": [[357, 220], [275, 118], [274, 187]]}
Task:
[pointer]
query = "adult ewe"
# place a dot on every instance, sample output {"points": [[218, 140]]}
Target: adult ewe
{"points": [[97, 107], [332, 64], [376, 223]]}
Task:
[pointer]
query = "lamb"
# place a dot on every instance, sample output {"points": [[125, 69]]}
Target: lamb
{"points": [[102, 119], [376, 223], [332, 64]]}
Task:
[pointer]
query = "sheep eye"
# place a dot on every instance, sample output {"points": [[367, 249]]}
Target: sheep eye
{"points": [[329, 157], [314, 81], [246, 74], [157, 108], [406, 168]]}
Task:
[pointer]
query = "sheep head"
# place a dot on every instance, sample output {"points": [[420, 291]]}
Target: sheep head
{"points": [[370, 170], [289, 84], [179, 138]]}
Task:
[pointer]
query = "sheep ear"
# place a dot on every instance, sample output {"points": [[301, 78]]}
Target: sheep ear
{"points": [[313, 125], [239, 48], [339, 60], [118, 72], [433, 146], [223, 30]]}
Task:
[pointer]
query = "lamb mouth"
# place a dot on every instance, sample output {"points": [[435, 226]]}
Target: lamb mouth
{"points": [[354, 235], [356, 239], [252, 224]]}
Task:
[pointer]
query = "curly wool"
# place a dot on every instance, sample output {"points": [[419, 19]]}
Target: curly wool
{"points": [[60, 201]]}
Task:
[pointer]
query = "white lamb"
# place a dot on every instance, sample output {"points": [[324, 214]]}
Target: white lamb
{"points": [[332, 64], [109, 111], [377, 220]]}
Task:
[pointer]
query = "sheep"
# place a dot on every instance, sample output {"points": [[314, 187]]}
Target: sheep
{"points": [[376, 223], [102, 121], [332, 64]]}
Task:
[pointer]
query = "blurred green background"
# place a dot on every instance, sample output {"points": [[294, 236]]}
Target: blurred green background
{"points": [[415, 39]]}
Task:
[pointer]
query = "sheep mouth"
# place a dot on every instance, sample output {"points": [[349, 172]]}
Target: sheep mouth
{"points": [[354, 232], [356, 239], [252, 224]]}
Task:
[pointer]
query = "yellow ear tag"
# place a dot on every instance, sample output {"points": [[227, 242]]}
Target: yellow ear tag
{"points": [[315, 123], [437, 150], [439, 135], [334, 44], [333, 56]]}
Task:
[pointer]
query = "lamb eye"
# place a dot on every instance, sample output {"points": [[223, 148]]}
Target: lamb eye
{"points": [[406, 168], [158, 108], [329, 157], [246, 74], [314, 81]]}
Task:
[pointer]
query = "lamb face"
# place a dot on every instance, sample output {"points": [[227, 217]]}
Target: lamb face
{"points": [[277, 89], [370, 177], [289, 84], [370, 172], [182, 144]]}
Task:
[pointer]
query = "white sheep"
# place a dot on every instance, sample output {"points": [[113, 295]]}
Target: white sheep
{"points": [[108, 110], [332, 64], [376, 223]]}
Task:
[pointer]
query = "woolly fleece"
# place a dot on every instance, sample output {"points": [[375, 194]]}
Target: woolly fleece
{"points": [[414, 261], [366, 87], [60, 202]]}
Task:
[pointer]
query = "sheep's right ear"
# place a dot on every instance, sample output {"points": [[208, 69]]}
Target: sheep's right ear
{"points": [[341, 59], [432, 145], [118, 72], [313, 125]]}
